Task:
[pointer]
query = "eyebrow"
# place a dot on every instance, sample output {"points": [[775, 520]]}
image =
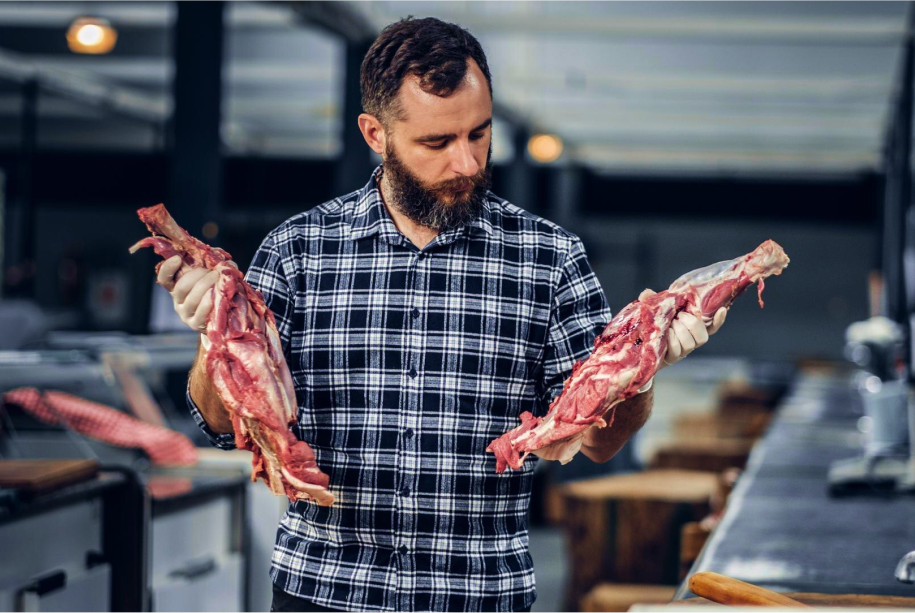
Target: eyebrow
{"points": [[431, 138]]}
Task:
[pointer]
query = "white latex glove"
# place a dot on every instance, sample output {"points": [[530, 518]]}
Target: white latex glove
{"points": [[191, 294], [687, 333]]}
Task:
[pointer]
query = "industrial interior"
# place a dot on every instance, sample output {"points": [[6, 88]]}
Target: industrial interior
{"points": [[777, 463]]}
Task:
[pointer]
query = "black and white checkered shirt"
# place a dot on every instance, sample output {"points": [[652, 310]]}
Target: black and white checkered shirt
{"points": [[406, 364]]}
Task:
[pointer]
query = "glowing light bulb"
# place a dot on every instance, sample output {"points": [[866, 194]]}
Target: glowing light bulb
{"points": [[545, 148], [91, 35]]}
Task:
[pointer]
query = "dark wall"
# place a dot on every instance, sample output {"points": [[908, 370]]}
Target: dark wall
{"points": [[848, 201], [85, 220], [638, 231]]}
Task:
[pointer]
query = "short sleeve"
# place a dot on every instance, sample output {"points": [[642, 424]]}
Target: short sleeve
{"points": [[578, 314], [220, 441]]}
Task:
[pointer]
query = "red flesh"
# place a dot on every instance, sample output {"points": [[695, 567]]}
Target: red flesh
{"points": [[628, 352], [245, 362], [103, 423]]}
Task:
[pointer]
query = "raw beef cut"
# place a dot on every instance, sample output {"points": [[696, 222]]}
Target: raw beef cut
{"points": [[244, 360], [628, 352], [103, 423]]}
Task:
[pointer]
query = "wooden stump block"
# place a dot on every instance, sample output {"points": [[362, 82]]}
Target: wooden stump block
{"points": [[709, 425], [741, 400], [619, 597], [710, 455], [626, 528]]}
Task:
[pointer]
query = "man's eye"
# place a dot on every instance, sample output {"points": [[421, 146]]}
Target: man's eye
{"points": [[477, 136], [440, 145]]}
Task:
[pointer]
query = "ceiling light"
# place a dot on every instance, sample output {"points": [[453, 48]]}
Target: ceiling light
{"points": [[545, 148], [91, 35]]}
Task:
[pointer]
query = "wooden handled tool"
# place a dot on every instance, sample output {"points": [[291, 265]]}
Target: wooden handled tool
{"points": [[725, 590]]}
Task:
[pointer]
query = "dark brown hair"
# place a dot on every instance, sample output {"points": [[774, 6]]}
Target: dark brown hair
{"points": [[429, 48]]}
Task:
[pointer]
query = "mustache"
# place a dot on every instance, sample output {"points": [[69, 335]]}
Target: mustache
{"points": [[461, 184]]}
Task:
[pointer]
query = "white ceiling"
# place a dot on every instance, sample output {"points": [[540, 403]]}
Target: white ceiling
{"points": [[656, 87]]}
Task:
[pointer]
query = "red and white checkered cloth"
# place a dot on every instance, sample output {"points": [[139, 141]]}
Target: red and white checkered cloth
{"points": [[103, 423]]}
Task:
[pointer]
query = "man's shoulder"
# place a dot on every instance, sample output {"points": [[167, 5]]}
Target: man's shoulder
{"points": [[327, 218], [520, 224]]}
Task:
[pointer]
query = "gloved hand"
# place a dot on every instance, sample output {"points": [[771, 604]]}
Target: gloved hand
{"points": [[191, 293], [687, 333]]}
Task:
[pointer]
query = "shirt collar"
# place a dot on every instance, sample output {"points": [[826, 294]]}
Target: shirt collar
{"points": [[370, 216]]}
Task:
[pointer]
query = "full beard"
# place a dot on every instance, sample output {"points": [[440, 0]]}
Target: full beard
{"points": [[441, 207]]}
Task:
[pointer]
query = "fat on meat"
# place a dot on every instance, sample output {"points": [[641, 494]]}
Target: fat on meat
{"points": [[627, 355], [245, 362]]}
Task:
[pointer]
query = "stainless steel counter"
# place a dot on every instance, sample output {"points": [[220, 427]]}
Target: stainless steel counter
{"points": [[783, 531]]}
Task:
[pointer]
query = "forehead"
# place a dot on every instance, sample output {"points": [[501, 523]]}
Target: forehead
{"points": [[467, 106]]}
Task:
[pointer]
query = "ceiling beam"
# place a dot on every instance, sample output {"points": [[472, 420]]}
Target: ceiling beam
{"points": [[93, 92], [338, 18], [736, 159], [550, 84], [348, 20], [159, 15], [672, 29], [713, 85]]}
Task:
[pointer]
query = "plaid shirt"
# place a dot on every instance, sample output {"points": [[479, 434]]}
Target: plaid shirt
{"points": [[406, 364]]}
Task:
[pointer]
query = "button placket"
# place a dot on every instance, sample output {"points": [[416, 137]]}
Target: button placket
{"points": [[401, 518], [408, 462]]}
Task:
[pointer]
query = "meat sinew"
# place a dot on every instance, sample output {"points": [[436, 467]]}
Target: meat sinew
{"points": [[244, 360], [628, 352]]}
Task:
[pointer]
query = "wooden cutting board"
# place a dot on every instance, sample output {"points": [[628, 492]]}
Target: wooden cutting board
{"points": [[850, 601], [42, 475], [717, 588]]}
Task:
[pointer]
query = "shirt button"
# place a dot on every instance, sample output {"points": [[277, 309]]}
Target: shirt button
{"points": [[408, 433], [414, 312], [412, 373], [403, 550], [405, 491]]}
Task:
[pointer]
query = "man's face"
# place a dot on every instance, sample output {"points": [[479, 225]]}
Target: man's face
{"points": [[437, 152]]}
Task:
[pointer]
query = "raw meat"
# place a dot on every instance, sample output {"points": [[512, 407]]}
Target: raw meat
{"points": [[244, 360], [103, 423], [627, 354]]}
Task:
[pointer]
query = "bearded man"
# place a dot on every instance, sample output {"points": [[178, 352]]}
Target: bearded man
{"points": [[419, 316]]}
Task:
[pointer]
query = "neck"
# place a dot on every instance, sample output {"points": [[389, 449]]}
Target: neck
{"points": [[419, 235]]}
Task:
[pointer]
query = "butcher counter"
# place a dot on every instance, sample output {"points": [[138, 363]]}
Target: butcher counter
{"points": [[163, 540], [782, 530]]}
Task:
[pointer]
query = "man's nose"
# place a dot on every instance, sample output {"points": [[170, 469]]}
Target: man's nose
{"points": [[462, 161]]}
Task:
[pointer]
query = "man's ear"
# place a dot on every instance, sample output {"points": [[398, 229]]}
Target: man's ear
{"points": [[372, 132]]}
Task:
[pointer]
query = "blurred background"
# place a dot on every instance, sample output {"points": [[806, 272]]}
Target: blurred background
{"points": [[668, 135]]}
